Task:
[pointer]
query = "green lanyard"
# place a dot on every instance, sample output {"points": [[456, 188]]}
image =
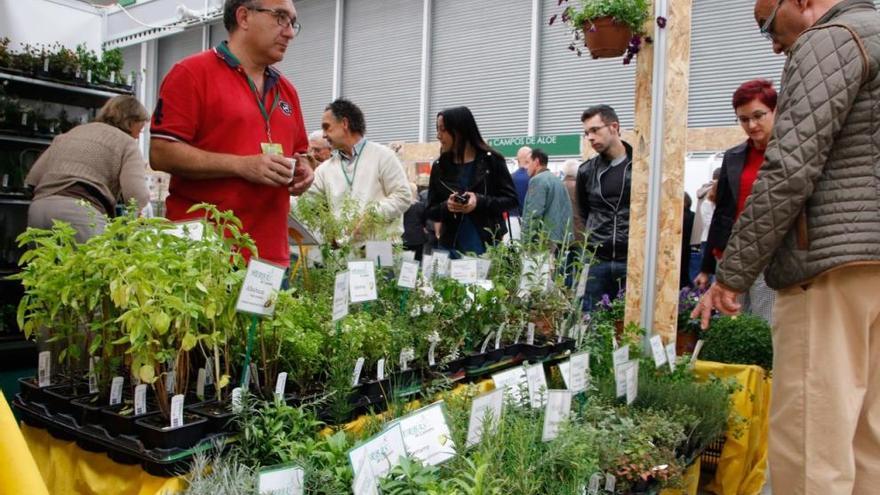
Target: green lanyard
{"points": [[267, 114], [350, 180]]}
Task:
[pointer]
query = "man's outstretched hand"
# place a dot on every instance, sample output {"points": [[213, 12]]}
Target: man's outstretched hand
{"points": [[717, 297]]}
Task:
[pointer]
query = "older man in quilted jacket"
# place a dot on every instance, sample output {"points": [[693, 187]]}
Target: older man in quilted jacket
{"points": [[812, 224]]}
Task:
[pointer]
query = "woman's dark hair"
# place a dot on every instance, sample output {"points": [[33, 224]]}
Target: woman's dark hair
{"points": [[460, 123]]}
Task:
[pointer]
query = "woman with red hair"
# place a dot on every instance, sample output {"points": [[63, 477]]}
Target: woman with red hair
{"points": [[755, 105]]}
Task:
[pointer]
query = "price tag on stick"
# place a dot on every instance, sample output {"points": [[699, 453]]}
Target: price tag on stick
{"points": [[44, 370]]}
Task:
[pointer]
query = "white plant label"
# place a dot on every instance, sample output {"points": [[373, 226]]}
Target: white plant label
{"points": [[537, 383], [576, 372], [356, 374], [464, 271], [595, 484], [281, 480], [620, 379], [262, 282], [620, 356], [426, 435], [431, 351], [483, 267], [44, 369], [632, 381], [177, 411], [610, 483], [209, 372], [582, 282], [193, 231], [89, 75], [380, 252], [658, 351], [140, 399], [380, 369], [427, 267], [511, 382], [280, 385], [670, 356], [254, 375], [408, 256], [487, 406], [498, 335], [409, 274], [93, 378], [407, 354], [340, 296], [116, 390], [200, 383], [382, 452], [441, 262], [530, 336], [169, 381], [555, 413], [486, 342], [362, 281], [365, 482], [46, 64], [236, 400], [696, 353]]}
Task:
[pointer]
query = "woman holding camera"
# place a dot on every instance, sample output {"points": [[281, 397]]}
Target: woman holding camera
{"points": [[470, 188]]}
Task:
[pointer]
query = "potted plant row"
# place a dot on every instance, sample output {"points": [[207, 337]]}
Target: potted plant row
{"points": [[57, 62]]}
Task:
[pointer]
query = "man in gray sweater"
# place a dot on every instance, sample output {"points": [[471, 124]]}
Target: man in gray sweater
{"points": [[547, 206]]}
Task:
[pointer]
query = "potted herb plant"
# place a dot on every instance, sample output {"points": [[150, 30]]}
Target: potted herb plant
{"points": [[610, 28]]}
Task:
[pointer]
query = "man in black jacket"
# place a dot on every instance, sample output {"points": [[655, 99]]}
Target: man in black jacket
{"points": [[603, 192]]}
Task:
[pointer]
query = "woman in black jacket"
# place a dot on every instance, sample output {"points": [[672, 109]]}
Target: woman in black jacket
{"points": [[470, 188]]}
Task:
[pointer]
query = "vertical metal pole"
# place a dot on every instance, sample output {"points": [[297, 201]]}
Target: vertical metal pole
{"points": [[425, 86], [337, 49], [533, 67]]}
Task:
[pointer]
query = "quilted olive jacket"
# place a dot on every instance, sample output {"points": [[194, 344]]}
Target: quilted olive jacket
{"points": [[816, 202]]}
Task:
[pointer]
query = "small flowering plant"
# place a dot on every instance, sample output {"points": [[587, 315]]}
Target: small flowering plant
{"points": [[688, 299], [580, 14]]}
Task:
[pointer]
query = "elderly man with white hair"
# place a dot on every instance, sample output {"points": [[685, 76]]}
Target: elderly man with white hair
{"points": [[319, 147]]}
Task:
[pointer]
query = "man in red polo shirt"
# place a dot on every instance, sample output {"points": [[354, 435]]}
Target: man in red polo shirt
{"points": [[227, 124]]}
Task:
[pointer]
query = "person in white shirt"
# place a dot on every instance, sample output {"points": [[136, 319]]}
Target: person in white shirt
{"points": [[319, 147], [361, 169]]}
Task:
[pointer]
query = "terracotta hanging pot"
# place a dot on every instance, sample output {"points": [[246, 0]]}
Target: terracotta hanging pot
{"points": [[606, 38]]}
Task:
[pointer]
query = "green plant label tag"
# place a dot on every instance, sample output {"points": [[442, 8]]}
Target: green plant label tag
{"points": [[595, 484], [177, 411], [441, 262], [362, 281], [382, 453], [140, 399], [380, 253], [512, 382], [426, 435], [380, 369], [670, 355], [498, 335], [340, 296], [280, 385], [427, 268], [486, 407], [463, 271], [356, 374], [236, 400], [610, 483], [632, 381], [409, 274], [486, 342], [93, 378], [555, 413], [44, 369], [658, 351], [280, 480], [116, 390], [537, 384], [259, 289], [200, 383], [696, 354], [530, 335]]}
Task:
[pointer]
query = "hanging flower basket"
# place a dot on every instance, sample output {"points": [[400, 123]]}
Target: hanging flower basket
{"points": [[606, 38]]}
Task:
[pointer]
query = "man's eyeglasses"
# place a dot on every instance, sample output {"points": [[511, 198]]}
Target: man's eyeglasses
{"points": [[594, 130], [282, 18], [746, 120], [767, 27]]}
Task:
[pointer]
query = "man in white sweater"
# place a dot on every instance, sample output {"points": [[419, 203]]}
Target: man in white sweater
{"points": [[366, 171]]}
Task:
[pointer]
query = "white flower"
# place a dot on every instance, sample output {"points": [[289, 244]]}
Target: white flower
{"points": [[428, 308], [415, 311], [434, 337]]}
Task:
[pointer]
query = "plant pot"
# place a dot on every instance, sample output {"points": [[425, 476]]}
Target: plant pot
{"points": [[535, 353], [31, 391], [59, 396], [606, 38], [685, 342], [87, 410], [476, 360], [156, 434], [405, 383], [116, 423], [219, 415], [375, 391]]}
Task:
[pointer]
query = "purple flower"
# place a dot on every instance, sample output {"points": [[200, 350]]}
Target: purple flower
{"points": [[661, 22], [606, 301]]}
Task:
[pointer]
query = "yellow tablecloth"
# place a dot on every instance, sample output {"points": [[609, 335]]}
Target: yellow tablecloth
{"points": [[743, 463], [18, 471]]}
